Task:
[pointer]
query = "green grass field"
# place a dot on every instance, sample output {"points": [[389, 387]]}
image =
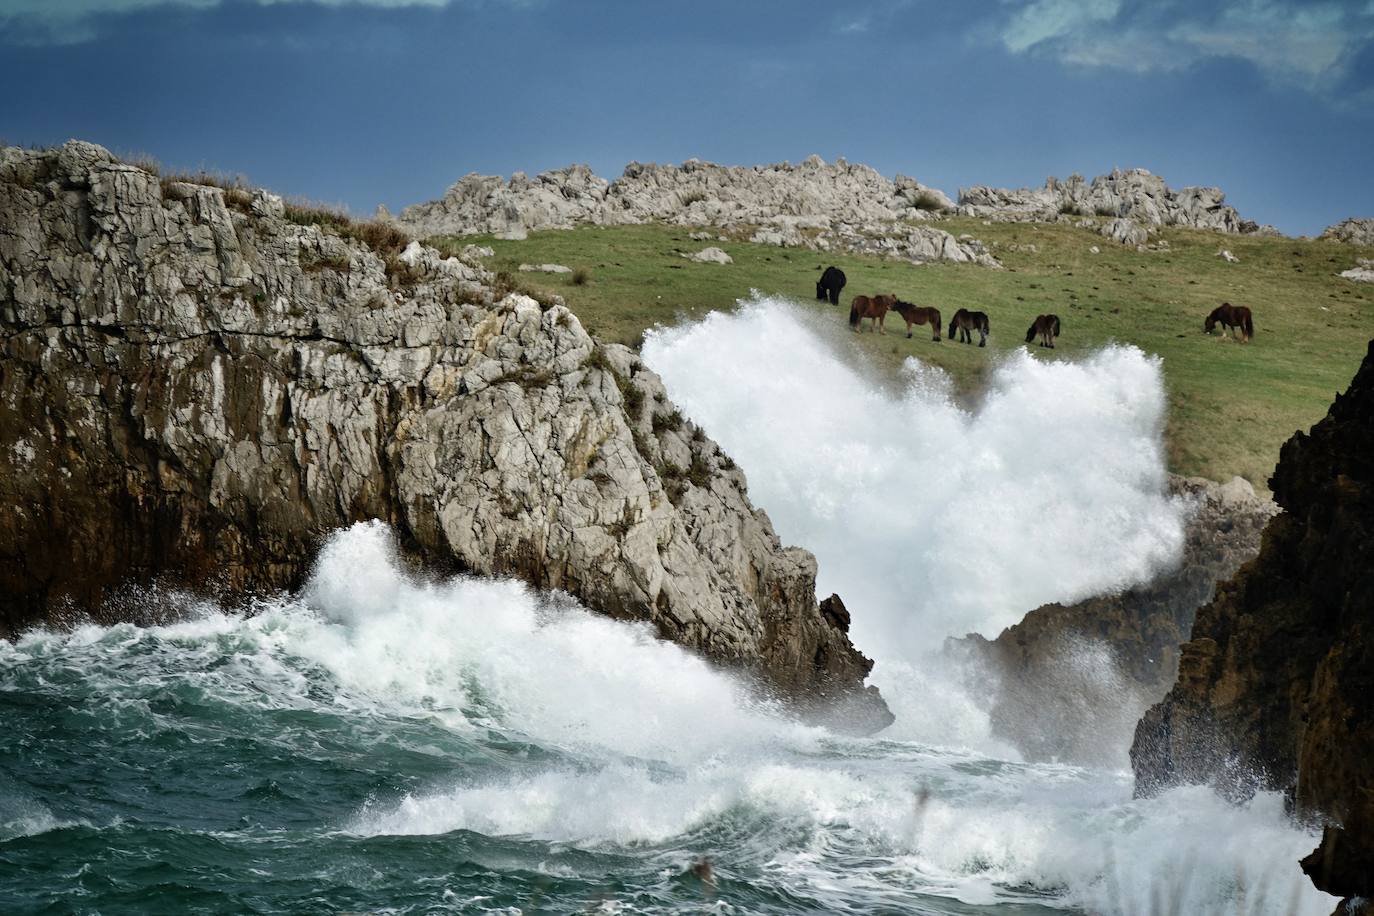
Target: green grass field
{"points": [[1231, 405]]}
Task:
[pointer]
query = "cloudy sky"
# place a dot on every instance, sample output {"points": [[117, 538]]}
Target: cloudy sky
{"points": [[362, 102]]}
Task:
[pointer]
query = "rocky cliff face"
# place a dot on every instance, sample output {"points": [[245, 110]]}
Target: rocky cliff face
{"points": [[197, 384], [1069, 682], [1276, 687], [1352, 231], [1134, 195], [839, 206]]}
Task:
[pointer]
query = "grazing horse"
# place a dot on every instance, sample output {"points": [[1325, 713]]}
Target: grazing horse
{"points": [[965, 321], [1234, 317], [830, 284], [874, 307], [917, 314], [1047, 326]]}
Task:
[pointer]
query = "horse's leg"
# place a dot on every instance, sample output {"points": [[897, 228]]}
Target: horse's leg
{"points": [[882, 327]]}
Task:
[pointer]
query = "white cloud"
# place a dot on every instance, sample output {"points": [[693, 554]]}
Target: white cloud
{"points": [[74, 21], [1308, 42], [1044, 20]]}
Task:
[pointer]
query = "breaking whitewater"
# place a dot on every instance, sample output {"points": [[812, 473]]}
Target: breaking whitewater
{"points": [[381, 744]]}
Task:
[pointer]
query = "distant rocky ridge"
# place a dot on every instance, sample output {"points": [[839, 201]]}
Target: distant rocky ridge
{"points": [[1069, 682], [1352, 231], [837, 206], [1275, 689], [1135, 195], [197, 384]]}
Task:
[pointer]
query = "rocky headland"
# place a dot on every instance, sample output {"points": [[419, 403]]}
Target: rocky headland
{"points": [[1069, 682], [1275, 688], [197, 383]]}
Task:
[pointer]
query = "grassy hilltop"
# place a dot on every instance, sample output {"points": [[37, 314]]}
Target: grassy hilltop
{"points": [[1231, 406]]}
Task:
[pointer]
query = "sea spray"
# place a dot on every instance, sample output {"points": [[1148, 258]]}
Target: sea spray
{"points": [[930, 520], [467, 745]]}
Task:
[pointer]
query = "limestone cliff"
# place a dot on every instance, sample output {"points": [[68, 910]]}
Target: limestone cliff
{"points": [[1069, 682], [196, 384], [1276, 687]]}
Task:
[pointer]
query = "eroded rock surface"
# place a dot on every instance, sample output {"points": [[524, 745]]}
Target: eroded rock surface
{"points": [[1069, 682], [1353, 231], [195, 389], [836, 206], [1134, 194], [1275, 689]]}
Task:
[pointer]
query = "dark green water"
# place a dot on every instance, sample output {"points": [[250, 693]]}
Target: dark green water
{"points": [[378, 746]]}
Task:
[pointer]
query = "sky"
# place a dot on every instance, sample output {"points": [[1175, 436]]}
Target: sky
{"points": [[367, 102]]}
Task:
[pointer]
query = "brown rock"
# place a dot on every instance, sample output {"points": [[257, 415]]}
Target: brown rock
{"points": [[1276, 688]]}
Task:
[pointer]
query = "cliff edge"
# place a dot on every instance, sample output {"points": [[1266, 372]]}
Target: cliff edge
{"points": [[197, 383]]}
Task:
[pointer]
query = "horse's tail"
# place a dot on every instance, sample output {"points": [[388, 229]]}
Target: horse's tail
{"points": [[1249, 326], [935, 319], [1056, 325], [854, 313], [1030, 335]]}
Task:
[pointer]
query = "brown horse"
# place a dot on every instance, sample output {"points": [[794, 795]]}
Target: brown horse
{"points": [[1234, 317], [918, 314], [874, 307], [964, 322], [1047, 326]]}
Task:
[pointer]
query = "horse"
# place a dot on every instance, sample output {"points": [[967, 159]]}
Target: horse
{"points": [[965, 321], [830, 284], [917, 314], [1047, 326], [874, 307], [1234, 317]]}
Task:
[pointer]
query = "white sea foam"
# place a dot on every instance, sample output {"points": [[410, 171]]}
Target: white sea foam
{"points": [[654, 747], [932, 521], [1054, 483]]}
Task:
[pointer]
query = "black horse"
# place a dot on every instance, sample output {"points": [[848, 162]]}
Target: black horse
{"points": [[830, 284]]}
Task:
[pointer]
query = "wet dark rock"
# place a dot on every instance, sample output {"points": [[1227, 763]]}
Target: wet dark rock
{"points": [[1275, 689], [1069, 682]]}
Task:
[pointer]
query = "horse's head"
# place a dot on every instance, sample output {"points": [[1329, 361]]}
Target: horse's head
{"points": [[1210, 323]]}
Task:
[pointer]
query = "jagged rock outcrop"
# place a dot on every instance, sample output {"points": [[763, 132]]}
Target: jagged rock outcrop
{"points": [[838, 206], [1276, 687], [1134, 194], [1352, 231], [1125, 232], [195, 389], [1069, 682], [1362, 272]]}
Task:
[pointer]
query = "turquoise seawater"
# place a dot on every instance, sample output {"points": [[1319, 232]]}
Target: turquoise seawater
{"points": [[377, 744]]}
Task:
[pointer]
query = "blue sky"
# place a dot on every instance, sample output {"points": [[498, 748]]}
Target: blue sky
{"points": [[362, 102]]}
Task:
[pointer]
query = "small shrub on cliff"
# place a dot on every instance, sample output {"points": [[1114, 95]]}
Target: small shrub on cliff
{"points": [[581, 276], [307, 214], [1104, 210], [315, 263], [928, 201], [633, 398], [383, 238], [665, 422], [700, 472]]}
